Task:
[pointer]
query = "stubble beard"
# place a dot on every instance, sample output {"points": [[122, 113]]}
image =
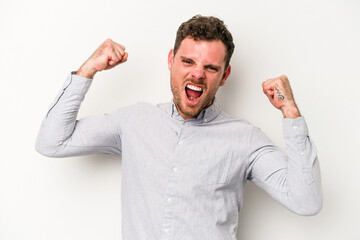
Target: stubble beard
{"points": [[182, 106]]}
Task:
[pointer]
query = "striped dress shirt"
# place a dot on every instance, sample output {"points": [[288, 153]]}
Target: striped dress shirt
{"points": [[185, 179]]}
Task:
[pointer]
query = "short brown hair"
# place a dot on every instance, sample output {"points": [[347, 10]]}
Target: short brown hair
{"points": [[208, 29]]}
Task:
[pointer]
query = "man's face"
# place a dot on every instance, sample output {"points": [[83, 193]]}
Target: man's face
{"points": [[196, 72]]}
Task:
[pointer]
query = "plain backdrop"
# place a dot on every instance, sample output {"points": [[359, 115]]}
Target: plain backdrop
{"points": [[315, 43]]}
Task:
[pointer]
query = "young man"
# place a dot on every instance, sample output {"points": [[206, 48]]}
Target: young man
{"points": [[185, 163]]}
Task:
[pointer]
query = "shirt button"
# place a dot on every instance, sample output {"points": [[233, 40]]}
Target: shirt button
{"points": [[205, 120], [186, 123], [166, 230], [180, 142], [302, 153], [295, 127], [174, 169], [169, 200]]}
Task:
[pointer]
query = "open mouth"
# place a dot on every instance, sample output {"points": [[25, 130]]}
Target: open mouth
{"points": [[193, 93]]}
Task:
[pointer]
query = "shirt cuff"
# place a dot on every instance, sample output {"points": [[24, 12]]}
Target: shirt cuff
{"points": [[77, 84], [295, 127]]}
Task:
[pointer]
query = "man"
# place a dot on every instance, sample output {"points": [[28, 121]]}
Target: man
{"points": [[185, 163]]}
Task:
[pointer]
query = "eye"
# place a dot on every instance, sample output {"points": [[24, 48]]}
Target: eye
{"points": [[187, 61], [212, 69]]}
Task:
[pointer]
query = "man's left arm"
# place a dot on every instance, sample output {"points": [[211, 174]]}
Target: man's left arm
{"points": [[292, 179]]}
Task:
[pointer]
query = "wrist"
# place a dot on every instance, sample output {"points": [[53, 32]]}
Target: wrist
{"points": [[290, 111], [86, 71]]}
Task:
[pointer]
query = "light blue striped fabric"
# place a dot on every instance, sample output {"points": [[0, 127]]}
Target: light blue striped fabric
{"points": [[185, 179]]}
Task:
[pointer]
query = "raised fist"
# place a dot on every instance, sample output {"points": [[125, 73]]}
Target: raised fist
{"points": [[280, 95], [108, 55]]}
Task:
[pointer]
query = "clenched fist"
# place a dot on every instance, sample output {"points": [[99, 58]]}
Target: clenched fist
{"points": [[108, 55], [280, 95]]}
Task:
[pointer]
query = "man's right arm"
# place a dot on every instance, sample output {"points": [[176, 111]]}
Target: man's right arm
{"points": [[61, 134], [108, 55]]}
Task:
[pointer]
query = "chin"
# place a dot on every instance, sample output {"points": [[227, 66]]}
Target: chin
{"points": [[186, 111]]}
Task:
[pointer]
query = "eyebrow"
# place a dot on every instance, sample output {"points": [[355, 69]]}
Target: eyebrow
{"points": [[206, 66]]}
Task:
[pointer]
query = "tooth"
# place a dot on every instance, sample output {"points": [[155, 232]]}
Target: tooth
{"points": [[195, 88]]}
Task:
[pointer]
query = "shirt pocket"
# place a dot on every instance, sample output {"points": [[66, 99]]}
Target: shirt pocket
{"points": [[215, 169]]}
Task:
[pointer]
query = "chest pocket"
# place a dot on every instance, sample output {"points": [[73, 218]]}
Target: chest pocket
{"points": [[211, 154], [214, 168]]}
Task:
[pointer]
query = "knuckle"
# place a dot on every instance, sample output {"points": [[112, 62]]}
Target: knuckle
{"points": [[108, 43], [284, 77]]}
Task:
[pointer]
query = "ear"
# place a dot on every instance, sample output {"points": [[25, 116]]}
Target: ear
{"points": [[170, 58], [225, 75]]}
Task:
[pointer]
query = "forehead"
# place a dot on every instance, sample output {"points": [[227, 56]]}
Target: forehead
{"points": [[207, 52]]}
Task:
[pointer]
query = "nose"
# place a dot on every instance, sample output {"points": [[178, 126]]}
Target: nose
{"points": [[198, 74]]}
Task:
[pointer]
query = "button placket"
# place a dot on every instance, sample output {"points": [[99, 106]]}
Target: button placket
{"points": [[170, 197]]}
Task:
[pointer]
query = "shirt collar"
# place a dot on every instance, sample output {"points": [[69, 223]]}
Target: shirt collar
{"points": [[206, 115]]}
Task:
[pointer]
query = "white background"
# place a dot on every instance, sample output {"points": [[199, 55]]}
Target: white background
{"points": [[315, 43]]}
